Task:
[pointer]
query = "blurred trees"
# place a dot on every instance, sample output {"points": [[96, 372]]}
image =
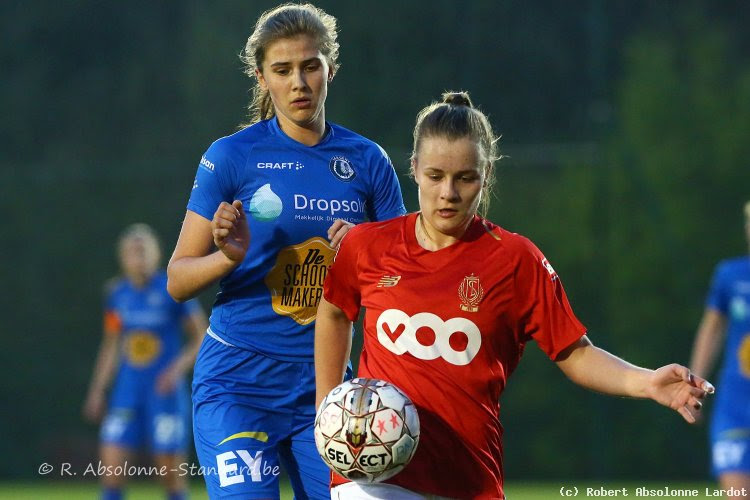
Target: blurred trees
{"points": [[638, 232]]}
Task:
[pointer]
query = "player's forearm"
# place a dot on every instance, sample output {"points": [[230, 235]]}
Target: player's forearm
{"points": [[333, 343], [704, 355], [600, 371], [195, 325], [707, 343], [188, 276], [104, 367]]}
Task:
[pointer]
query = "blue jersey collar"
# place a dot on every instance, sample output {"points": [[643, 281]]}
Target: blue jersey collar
{"points": [[275, 129]]}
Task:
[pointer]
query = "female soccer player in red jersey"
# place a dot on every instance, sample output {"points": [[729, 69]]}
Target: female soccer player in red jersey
{"points": [[451, 300]]}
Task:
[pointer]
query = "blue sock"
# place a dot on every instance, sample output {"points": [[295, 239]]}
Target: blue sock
{"points": [[111, 493], [177, 495]]}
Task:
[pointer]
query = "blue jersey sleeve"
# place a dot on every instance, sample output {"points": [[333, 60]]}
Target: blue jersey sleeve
{"points": [[215, 181], [717, 294], [385, 201]]}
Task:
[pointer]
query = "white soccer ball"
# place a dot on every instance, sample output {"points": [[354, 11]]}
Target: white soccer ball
{"points": [[366, 430]]}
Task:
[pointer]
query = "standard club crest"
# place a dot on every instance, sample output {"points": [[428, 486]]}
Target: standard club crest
{"points": [[470, 292]]}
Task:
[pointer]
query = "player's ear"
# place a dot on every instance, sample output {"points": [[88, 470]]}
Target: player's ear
{"points": [[261, 79]]}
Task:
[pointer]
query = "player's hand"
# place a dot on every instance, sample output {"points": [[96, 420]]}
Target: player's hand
{"points": [[337, 231], [230, 230], [93, 407], [167, 380], [675, 387]]}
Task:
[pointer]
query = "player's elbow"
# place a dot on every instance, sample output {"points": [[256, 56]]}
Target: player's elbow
{"points": [[174, 289], [174, 292]]}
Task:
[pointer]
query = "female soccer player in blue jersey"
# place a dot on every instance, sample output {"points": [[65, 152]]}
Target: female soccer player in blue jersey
{"points": [[143, 345], [268, 207], [727, 314]]}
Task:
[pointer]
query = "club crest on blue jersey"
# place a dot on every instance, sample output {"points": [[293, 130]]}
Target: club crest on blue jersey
{"points": [[342, 168]]}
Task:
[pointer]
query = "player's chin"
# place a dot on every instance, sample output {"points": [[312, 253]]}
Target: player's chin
{"points": [[454, 224]]}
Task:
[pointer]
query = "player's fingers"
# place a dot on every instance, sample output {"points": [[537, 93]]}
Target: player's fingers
{"points": [[689, 418], [334, 229], [220, 223], [704, 384], [338, 236], [683, 372], [228, 211], [697, 392], [224, 206], [337, 231], [237, 205], [220, 235], [695, 403]]}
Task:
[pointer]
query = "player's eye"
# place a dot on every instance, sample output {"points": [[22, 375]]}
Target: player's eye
{"points": [[312, 67]]}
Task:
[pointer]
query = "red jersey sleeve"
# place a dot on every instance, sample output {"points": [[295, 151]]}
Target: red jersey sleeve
{"points": [[341, 287], [544, 312]]}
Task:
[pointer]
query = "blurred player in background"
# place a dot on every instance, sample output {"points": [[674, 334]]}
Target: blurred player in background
{"points": [[451, 300], [264, 205], [143, 345], [726, 322]]}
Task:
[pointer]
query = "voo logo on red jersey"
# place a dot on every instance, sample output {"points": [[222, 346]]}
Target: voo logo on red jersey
{"points": [[397, 332]]}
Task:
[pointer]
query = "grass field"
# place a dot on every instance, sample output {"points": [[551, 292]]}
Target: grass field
{"points": [[514, 490]]}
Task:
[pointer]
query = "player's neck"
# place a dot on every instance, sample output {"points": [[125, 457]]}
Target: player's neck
{"points": [[308, 134], [138, 280], [431, 239]]}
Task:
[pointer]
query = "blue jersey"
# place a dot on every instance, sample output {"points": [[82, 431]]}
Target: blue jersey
{"points": [[730, 425], [150, 324], [730, 295], [291, 194]]}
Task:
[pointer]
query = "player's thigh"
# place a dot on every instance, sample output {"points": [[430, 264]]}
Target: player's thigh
{"points": [[730, 441], [309, 476], [237, 449], [168, 418], [122, 427]]}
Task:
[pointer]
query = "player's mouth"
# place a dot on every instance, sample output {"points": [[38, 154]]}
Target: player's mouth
{"points": [[447, 213], [302, 103]]}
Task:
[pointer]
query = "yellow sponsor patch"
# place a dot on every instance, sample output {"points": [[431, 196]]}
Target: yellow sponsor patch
{"points": [[743, 353], [141, 347], [259, 436], [296, 280]]}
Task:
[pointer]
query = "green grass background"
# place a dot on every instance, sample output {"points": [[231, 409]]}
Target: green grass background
{"points": [[60, 490]]}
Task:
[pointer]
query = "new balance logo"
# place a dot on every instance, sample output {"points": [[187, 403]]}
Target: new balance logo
{"points": [[388, 281]]}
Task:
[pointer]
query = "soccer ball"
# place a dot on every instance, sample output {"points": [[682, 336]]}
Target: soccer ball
{"points": [[366, 430]]}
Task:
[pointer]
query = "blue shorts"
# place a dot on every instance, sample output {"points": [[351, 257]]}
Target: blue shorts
{"points": [[142, 417], [252, 415], [730, 437]]}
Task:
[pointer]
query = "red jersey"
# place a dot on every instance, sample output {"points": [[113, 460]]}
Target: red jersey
{"points": [[448, 328]]}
